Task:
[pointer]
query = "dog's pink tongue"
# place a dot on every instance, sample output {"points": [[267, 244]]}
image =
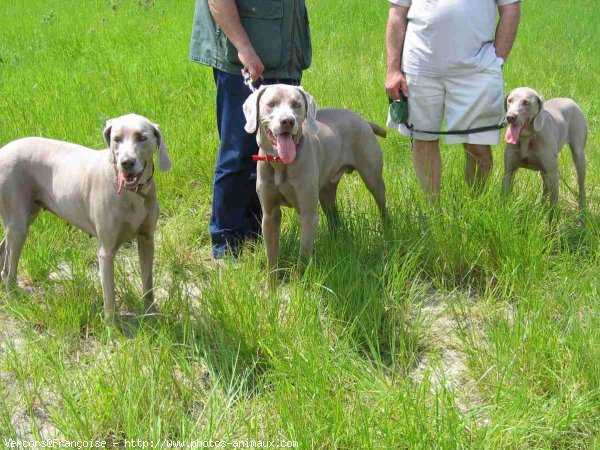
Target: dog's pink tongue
{"points": [[121, 180], [513, 133], [286, 148]]}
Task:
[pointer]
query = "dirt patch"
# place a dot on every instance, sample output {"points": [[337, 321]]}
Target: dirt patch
{"points": [[444, 365], [28, 421]]}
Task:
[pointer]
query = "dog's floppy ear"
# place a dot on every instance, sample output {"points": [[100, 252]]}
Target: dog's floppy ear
{"points": [[251, 110], [538, 121], [311, 110], [164, 161], [506, 103], [107, 132]]}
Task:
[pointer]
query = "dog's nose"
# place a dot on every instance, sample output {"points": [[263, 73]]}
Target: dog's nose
{"points": [[511, 118], [287, 122], [128, 164]]}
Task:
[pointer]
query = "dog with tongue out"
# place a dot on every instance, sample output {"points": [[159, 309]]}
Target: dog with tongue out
{"points": [[303, 154], [537, 131]]}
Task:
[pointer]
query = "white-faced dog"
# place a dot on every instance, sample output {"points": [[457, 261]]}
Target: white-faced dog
{"points": [[109, 194], [537, 130], [305, 152]]}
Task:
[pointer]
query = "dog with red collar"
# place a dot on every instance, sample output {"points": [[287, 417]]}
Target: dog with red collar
{"points": [[303, 154]]}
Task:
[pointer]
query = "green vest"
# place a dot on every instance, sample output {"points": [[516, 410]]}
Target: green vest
{"points": [[278, 29]]}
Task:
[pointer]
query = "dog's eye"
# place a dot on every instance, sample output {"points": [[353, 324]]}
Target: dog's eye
{"points": [[117, 138], [526, 102], [271, 104], [296, 105], [142, 138]]}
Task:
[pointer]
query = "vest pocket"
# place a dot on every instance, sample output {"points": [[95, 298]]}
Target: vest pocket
{"points": [[263, 22]]}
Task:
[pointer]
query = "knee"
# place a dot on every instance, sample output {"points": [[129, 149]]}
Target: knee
{"points": [[272, 215], [482, 153]]}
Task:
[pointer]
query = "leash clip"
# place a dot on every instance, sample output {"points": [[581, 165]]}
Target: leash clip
{"points": [[248, 80]]}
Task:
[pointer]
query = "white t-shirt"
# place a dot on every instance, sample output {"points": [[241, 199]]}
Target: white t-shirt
{"points": [[449, 37]]}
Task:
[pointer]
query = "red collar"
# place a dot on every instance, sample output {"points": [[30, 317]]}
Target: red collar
{"points": [[274, 159], [267, 158]]}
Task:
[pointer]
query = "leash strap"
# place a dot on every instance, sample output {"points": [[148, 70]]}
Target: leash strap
{"points": [[412, 128]]}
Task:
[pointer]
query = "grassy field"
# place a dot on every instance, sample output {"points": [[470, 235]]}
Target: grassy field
{"points": [[475, 325]]}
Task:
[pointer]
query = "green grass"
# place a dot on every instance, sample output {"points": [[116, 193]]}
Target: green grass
{"points": [[472, 326]]}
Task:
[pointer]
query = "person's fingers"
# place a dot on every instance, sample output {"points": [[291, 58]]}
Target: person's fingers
{"points": [[257, 74], [393, 93]]}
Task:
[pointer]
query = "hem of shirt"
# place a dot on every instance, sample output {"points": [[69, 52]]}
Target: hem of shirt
{"points": [[280, 74]]}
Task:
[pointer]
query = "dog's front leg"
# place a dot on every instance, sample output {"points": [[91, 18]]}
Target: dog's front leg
{"points": [[146, 257], [551, 181], [271, 226], [3, 255], [510, 168], [106, 261], [308, 229]]}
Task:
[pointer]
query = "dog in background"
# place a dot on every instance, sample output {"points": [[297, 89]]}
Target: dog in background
{"points": [[537, 131]]}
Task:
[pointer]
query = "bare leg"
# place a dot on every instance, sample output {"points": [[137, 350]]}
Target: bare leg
{"points": [[106, 260], [479, 164], [428, 167], [146, 257]]}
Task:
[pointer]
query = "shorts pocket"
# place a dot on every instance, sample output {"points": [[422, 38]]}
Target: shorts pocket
{"points": [[263, 22]]}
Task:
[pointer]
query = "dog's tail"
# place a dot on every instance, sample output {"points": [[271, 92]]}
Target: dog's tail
{"points": [[379, 131]]}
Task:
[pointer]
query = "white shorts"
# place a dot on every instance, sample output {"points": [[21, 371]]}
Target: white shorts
{"points": [[472, 101]]}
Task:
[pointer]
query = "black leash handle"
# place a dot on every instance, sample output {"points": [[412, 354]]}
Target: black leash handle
{"points": [[412, 129]]}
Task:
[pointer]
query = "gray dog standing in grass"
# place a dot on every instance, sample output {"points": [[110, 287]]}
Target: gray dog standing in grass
{"points": [[537, 130], [313, 150], [109, 194]]}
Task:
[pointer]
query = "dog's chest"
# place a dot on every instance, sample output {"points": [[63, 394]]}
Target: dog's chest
{"points": [[285, 188], [529, 159], [133, 214]]}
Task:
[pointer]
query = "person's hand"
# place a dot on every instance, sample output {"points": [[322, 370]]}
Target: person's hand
{"points": [[394, 83], [251, 63]]}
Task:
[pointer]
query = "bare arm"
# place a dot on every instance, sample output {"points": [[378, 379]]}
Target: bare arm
{"points": [[394, 40], [506, 31], [225, 13]]}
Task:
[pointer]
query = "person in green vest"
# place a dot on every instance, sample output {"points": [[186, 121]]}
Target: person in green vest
{"points": [[271, 40]]}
